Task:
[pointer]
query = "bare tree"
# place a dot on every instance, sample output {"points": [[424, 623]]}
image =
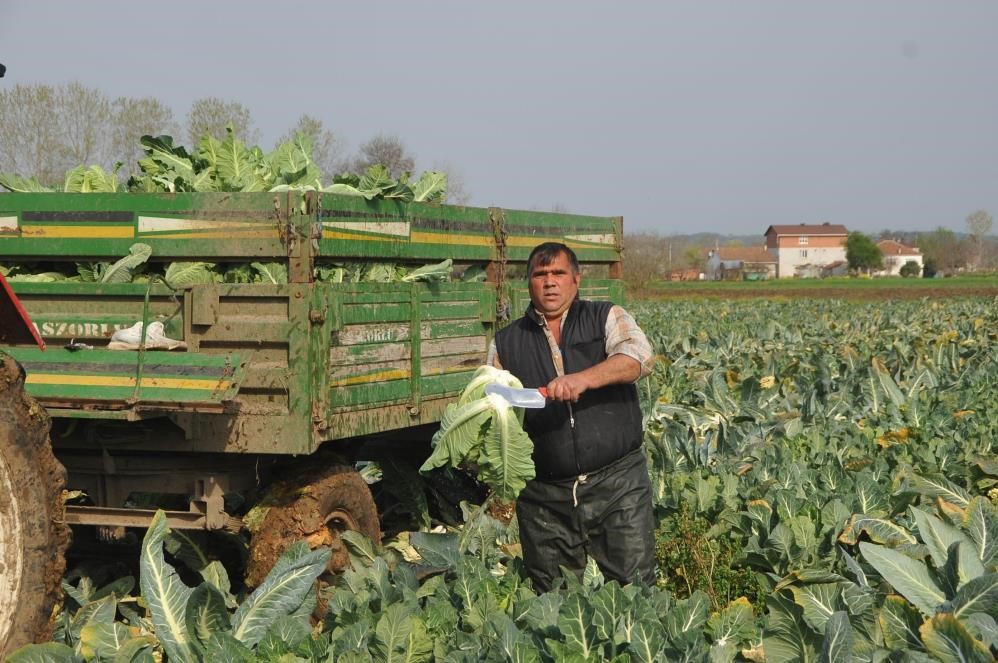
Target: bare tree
{"points": [[979, 225], [134, 118], [30, 142], [87, 124], [388, 150], [457, 189], [327, 148], [212, 115]]}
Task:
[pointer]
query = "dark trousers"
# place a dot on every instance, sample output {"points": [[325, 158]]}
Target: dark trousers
{"points": [[609, 518]]}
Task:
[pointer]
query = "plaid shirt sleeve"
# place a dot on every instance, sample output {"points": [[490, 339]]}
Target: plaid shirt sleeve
{"points": [[492, 358], [624, 337]]}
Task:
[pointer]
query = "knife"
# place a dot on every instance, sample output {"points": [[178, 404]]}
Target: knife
{"points": [[530, 398]]}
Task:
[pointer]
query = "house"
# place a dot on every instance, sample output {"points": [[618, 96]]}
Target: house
{"points": [[740, 262], [805, 249], [896, 255]]}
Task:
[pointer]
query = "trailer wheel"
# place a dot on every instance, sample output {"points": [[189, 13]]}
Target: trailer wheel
{"points": [[316, 507], [33, 533]]}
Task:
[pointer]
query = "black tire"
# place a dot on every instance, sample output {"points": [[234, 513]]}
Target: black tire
{"points": [[315, 506], [33, 533]]}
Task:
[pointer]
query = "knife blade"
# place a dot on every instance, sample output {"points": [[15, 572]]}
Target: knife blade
{"points": [[529, 398]]}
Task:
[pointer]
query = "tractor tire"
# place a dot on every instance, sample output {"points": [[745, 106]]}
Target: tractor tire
{"points": [[315, 506], [33, 532]]}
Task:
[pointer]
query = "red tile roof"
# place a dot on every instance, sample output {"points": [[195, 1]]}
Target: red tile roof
{"points": [[809, 229], [745, 253], [891, 248]]}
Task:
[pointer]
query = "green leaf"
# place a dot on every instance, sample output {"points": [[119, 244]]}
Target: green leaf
{"points": [[900, 622], [50, 652], [19, 184], [136, 650], [165, 594], [375, 180], [982, 526], [235, 163], [908, 576], [435, 273], [785, 636], [281, 592], [431, 187], [977, 595], [224, 647], [575, 622], [214, 574], [506, 462], [102, 641], [878, 529], [947, 639], [164, 157], [271, 272], [837, 645], [735, 624], [939, 536], [283, 637], [687, 618], [121, 271], [401, 636], [608, 604], [206, 614], [360, 547], [182, 274], [819, 601], [647, 641], [938, 487]]}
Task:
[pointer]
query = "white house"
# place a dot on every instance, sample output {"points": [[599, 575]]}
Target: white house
{"points": [[896, 255], [805, 249], [736, 262]]}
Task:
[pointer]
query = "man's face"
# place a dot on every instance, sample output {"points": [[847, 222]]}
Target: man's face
{"points": [[553, 287]]}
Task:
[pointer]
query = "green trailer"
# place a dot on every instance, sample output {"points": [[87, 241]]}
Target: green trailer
{"points": [[269, 372]]}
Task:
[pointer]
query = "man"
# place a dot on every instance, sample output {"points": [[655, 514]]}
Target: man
{"points": [[592, 494]]}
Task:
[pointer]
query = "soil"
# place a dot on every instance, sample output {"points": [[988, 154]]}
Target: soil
{"points": [[31, 513], [300, 508]]}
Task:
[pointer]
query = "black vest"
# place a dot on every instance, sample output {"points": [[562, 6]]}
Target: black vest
{"points": [[607, 420]]}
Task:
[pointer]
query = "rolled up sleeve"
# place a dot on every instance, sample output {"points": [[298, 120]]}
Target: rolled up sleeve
{"points": [[624, 337]]}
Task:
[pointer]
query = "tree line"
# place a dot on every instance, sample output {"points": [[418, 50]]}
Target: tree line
{"points": [[50, 129]]}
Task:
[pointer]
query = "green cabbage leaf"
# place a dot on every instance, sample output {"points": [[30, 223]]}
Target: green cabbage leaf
{"points": [[484, 431]]}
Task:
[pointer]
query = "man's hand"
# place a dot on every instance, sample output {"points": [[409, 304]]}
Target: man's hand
{"points": [[616, 369]]}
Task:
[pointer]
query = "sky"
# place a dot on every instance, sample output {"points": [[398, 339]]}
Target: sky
{"points": [[682, 117]]}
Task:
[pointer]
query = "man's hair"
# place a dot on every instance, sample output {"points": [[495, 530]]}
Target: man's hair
{"points": [[544, 254]]}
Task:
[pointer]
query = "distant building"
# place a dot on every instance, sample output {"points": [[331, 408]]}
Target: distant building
{"points": [[896, 255], [740, 262], [805, 249]]}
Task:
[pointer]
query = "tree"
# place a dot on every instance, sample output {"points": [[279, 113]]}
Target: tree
{"points": [[862, 253], [326, 146], [910, 268], [979, 224], [942, 250], [134, 118], [212, 115], [30, 142], [87, 123], [387, 150], [457, 190], [48, 130]]}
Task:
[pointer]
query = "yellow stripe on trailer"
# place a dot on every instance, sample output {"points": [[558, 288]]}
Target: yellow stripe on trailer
{"points": [[79, 231], [380, 376], [223, 234], [450, 238], [125, 381]]}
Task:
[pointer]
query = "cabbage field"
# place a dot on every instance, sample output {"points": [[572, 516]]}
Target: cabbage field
{"points": [[826, 485]]}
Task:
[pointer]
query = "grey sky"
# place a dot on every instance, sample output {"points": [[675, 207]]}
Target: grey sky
{"points": [[680, 116]]}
